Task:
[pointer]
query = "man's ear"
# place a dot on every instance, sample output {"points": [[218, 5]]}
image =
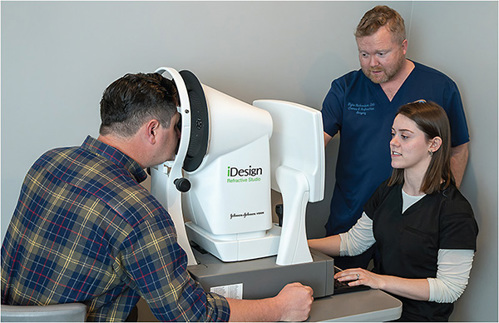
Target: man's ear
{"points": [[404, 46], [150, 131]]}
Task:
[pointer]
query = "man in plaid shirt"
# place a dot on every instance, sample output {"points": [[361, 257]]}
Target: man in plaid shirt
{"points": [[85, 230]]}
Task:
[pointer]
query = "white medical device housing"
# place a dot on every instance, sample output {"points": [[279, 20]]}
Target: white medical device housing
{"points": [[232, 153], [229, 205], [298, 168]]}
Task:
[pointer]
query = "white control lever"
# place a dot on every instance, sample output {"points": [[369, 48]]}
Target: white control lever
{"points": [[293, 247]]}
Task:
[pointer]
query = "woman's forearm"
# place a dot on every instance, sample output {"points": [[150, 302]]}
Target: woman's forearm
{"points": [[328, 245]]}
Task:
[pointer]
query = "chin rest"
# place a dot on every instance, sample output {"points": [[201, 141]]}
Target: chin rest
{"points": [[69, 312]]}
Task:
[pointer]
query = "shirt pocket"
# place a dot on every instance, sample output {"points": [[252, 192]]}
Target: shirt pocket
{"points": [[418, 246]]}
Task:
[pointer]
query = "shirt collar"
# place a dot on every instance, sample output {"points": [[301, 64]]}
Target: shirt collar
{"points": [[115, 156]]}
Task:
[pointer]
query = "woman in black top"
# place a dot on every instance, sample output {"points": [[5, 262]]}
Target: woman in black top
{"points": [[422, 225]]}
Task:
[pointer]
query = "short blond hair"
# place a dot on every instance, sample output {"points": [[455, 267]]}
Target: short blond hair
{"points": [[378, 17]]}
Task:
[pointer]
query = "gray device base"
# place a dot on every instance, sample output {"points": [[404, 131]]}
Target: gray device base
{"points": [[261, 278], [371, 305]]}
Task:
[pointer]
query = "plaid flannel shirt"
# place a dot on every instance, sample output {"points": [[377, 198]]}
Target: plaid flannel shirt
{"points": [[85, 230]]}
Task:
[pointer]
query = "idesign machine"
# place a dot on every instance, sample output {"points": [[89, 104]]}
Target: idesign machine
{"points": [[218, 190]]}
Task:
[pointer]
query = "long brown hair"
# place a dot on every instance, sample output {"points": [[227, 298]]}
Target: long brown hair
{"points": [[432, 120]]}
